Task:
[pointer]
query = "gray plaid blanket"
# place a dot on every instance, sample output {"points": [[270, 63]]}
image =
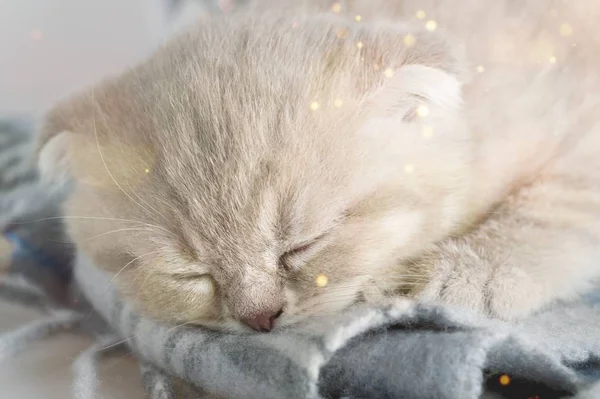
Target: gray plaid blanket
{"points": [[401, 350]]}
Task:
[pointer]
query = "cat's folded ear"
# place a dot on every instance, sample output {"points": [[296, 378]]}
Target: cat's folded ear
{"points": [[415, 90], [84, 140], [53, 144], [64, 138], [59, 139]]}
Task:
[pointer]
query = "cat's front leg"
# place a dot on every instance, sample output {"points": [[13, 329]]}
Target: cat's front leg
{"points": [[462, 275], [513, 264], [453, 274]]}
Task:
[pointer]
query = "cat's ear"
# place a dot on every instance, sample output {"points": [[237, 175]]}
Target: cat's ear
{"points": [[55, 137], [415, 90], [52, 147], [53, 159], [84, 140]]}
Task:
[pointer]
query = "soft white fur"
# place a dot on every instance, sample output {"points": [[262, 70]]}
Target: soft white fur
{"points": [[409, 169]]}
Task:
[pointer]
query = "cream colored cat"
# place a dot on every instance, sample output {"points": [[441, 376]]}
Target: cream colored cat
{"points": [[276, 164]]}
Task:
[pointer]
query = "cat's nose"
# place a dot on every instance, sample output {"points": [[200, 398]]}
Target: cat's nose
{"points": [[263, 322]]}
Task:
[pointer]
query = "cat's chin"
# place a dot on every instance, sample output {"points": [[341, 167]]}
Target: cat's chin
{"points": [[225, 326], [236, 327], [233, 326]]}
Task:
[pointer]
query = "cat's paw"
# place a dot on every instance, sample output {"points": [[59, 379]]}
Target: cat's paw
{"points": [[460, 276], [455, 275], [512, 294]]}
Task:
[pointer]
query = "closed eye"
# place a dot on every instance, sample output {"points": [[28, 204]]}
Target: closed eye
{"points": [[299, 250], [294, 258], [197, 273], [191, 276]]}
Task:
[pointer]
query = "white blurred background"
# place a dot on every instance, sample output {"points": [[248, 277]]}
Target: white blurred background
{"points": [[48, 48]]}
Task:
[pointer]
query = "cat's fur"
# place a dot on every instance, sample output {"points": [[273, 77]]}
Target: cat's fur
{"points": [[257, 133]]}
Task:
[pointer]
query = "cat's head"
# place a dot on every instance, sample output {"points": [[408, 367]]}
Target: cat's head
{"points": [[264, 167]]}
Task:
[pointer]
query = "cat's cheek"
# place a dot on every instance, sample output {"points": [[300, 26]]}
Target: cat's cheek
{"points": [[326, 297], [193, 300], [292, 310], [201, 288]]}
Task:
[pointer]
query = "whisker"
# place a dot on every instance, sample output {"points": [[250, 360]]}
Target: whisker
{"points": [[400, 282], [310, 310], [104, 161], [315, 301], [94, 218], [138, 203], [78, 217], [332, 289], [118, 231], [139, 291], [116, 361], [115, 344], [179, 326], [149, 205], [129, 263]]}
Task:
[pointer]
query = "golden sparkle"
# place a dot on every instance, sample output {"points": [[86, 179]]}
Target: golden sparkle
{"points": [[427, 131], [409, 168], [421, 14], [389, 72], [431, 25], [314, 106], [504, 379], [552, 60], [147, 170], [35, 34], [358, 18], [321, 280], [338, 102], [360, 44], [565, 30], [336, 7], [409, 40], [422, 110], [480, 68]]}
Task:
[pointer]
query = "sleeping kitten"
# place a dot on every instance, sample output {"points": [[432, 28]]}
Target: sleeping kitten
{"points": [[273, 164]]}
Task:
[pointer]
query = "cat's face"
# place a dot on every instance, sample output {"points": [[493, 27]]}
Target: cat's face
{"points": [[248, 172]]}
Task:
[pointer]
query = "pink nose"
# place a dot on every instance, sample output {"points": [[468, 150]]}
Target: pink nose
{"points": [[263, 322]]}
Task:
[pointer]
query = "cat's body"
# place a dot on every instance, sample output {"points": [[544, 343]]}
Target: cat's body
{"points": [[298, 162]]}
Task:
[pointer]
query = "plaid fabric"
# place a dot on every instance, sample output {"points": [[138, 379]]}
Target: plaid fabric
{"points": [[28, 214], [31, 229], [403, 350]]}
